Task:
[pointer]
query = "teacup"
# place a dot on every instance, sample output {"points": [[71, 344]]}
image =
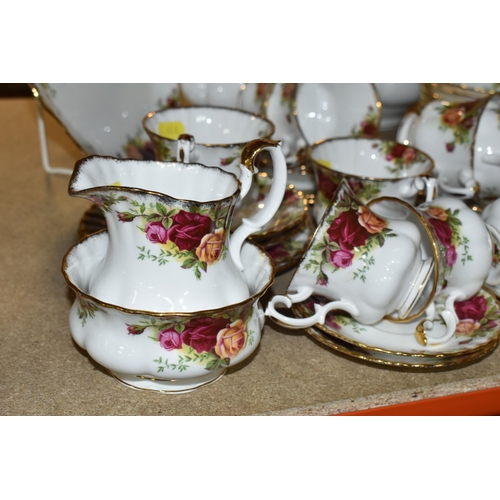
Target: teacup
{"points": [[445, 131], [169, 223], [367, 265], [456, 92], [486, 150], [166, 352], [213, 136], [396, 98], [461, 245], [373, 168]]}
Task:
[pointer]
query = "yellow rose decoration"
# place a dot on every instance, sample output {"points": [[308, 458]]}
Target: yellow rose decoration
{"points": [[370, 221], [437, 213], [210, 247], [231, 340]]}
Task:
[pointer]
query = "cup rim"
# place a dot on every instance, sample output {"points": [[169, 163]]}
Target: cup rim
{"points": [[165, 314], [150, 115], [311, 148], [435, 252]]}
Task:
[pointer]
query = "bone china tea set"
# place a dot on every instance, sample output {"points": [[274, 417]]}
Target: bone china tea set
{"points": [[382, 199]]}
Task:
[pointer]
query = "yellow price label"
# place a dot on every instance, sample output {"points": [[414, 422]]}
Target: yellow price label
{"points": [[324, 163], [171, 130]]}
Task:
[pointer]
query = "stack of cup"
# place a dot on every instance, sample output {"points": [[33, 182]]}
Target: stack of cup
{"points": [[387, 260]]}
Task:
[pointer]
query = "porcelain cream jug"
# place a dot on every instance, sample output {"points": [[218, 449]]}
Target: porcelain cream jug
{"points": [[170, 248]]}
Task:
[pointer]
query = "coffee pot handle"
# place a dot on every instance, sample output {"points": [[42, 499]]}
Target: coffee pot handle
{"points": [[427, 184], [274, 199], [319, 316]]}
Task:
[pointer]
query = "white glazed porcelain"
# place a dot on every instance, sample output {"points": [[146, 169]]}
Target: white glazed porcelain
{"points": [[166, 352], [279, 108], [325, 110], [169, 223], [368, 266], [106, 118], [486, 150], [464, 255], [213, 136], [373, 168], [396, 98], [245, 96], [445, 131], [476, 334], [491, 217]]}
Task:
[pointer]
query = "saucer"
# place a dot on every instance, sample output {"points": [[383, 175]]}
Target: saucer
{"points": [[388, 359], [326, 110], [106, 118], [395, 342]]}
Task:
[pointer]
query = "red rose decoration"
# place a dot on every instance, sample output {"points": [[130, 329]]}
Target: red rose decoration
{"points": [[326, 186], [397, 150], [474, 308], [442, 230], [187, 229], [347, 232], [369, 130], [201, 333]]}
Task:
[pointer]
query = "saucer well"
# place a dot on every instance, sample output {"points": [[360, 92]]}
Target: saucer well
{"points": [[393, 342]]}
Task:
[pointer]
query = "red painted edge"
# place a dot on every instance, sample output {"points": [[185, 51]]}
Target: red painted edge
{"points": [[485, 402]]}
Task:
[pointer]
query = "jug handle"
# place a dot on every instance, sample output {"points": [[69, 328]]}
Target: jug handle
{"points": [[274, 199]]}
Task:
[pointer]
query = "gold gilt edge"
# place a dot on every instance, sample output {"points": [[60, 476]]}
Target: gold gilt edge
{"points": [[445, 364], [299, 311]]}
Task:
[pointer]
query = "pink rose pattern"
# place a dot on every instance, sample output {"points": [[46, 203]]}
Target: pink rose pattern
{"points": [[187, 231], [352, 232], [478, 317], [211, 340], [369, 125], [401, 157], [446, 226], [328, 182], [461, 118]]}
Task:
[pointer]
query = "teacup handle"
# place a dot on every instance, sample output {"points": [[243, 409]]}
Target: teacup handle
{"points": [[429, 184], [185, 144], [274, 199], [449, 317], [470, 189], [318, 317]]}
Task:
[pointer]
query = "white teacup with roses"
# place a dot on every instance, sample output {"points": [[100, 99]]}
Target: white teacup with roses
{"points": [[373, 168], [445, 131], [367, 265]]}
